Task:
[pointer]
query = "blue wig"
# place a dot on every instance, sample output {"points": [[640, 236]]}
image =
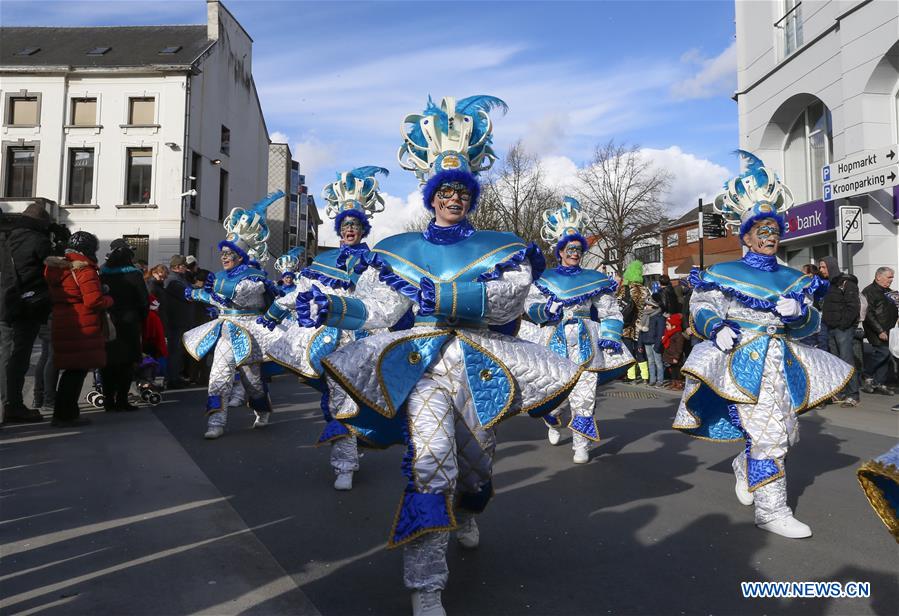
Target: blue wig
{"points": [[447, 177], [359, 215], [573, 237]]}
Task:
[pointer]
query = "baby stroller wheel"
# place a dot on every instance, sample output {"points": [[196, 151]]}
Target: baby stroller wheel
{"points": [[153, 398], [145, 395]]}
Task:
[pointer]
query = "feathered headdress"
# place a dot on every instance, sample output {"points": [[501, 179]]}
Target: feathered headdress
{"points": [[355, 193], [755, 194], [450, 143], [562, 225], [290, 261], [247, 230]]}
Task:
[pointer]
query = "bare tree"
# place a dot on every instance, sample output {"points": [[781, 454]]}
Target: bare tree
{"points": [[622, 196]]}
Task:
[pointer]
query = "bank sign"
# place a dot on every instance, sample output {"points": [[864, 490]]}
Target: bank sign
{"points": [[810, 219]]}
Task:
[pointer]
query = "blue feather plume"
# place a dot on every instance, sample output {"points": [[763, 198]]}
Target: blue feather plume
{"points": [[369, 171], [260, 206], [297, 252]]}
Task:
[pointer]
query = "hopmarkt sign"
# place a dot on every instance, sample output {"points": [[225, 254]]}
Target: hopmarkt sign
{"points": [[860, 163], [851, 224], [877, 179]]}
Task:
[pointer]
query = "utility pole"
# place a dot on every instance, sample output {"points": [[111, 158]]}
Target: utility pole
{"points": [[701, 234]]}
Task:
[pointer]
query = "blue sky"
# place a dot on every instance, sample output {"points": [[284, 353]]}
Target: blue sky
{"points": [[336, 78]]}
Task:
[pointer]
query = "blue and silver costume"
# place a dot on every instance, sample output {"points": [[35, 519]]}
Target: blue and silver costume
{"points": [[301, 349], [441, 387], [573, 311], [879, 479], [755, 391], [238, 343]]}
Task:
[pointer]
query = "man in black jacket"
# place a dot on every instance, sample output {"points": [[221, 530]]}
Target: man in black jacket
{"points": [[24, 301], [879, 320], [179, 317], [670, 302], [840, 311]]}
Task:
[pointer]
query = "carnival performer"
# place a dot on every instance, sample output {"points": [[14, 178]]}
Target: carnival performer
{"points": [[352, 200], [750, 379], [441, 387], [288, 266], [239, 293], [573, 311], [879, 479]]}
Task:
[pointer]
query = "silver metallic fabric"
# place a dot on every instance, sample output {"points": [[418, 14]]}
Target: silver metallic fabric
{"points": [[344, 455], [424, 562]]}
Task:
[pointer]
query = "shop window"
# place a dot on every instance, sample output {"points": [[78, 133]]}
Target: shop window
{"points": [[140, 175], [81, 176], [20, 164], [141, 111], [84, 112], [808, 148], [24, 111]]}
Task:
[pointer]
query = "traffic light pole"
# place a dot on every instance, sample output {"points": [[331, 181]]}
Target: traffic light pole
{"points": [[701, 235]]}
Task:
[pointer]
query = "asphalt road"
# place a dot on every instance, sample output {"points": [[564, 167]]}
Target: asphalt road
{"points": [[650, 525], [137, 514]]}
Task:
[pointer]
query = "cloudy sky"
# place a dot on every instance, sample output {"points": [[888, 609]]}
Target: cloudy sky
{"points": [[337, 78]]}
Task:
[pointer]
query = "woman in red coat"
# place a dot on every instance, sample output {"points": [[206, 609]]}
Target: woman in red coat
{"points": [[78, 335]]}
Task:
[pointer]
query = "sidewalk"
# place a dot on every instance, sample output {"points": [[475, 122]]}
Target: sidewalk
{"points": [[116, 518]]}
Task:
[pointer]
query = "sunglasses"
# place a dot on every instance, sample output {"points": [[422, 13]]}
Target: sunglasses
{"points": [[448, 190]]}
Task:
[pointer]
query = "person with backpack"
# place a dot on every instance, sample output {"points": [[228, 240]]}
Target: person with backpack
{"points": [[25, 303], [841, 312]]}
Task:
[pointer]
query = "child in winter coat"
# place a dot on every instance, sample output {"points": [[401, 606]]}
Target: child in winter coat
{"points": [[673, 348], [649, 340]]}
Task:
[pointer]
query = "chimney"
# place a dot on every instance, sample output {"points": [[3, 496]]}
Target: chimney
{"points": [[213, 13]]}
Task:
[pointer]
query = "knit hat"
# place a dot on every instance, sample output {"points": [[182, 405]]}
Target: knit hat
{"points": [[177, 261], [37, 211]]}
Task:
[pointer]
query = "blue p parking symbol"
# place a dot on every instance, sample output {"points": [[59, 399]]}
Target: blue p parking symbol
{"points": [[826, 172], [827, 192]]}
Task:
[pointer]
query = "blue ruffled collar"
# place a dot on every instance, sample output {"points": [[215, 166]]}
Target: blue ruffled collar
{"points": [[568, 270], [236, 270], [766, 263], [359, 250], [448, 235]]}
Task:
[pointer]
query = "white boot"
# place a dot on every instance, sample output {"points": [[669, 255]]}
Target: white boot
{"points": [[554, 436], [740, 487], [261, 420], [468, 534], [427, 604], [581, 455], [215, 424], [788, 527], [344, 481]]}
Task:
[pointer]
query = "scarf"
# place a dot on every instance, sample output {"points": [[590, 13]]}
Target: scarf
{"points": [[676, 321]]}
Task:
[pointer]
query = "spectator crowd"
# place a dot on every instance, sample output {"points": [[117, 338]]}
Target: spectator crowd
{"points": [[119, 322]]}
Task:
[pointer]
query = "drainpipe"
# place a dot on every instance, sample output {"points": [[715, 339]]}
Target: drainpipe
{"points": [[185, 165], [62, 144]]}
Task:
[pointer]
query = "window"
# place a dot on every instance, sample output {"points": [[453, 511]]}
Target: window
{"points": [[672, 239], [223, 194], [226, 140], [140, 174], [81, 176], [84, 112], [193, 246], [20, 172], [141, 111], [809, 146], [692, 234], [140, 244], [195, 165], [648, 254], [791, 24], [23, 111]]}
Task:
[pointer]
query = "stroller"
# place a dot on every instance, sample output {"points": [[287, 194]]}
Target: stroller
{"points": [[145, 378]]}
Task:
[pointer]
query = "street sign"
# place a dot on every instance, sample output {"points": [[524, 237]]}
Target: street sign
{"points": [[886, 177], [862, 162], [851, 224], [712, 225]]}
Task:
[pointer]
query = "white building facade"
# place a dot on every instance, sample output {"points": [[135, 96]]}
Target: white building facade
{"points": [[818, 80], [150, 133]]}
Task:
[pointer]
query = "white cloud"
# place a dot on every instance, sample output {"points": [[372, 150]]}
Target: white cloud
{"points": [[691, 177], [279, 137], [716, 76], [314, 155], [559, 172]]}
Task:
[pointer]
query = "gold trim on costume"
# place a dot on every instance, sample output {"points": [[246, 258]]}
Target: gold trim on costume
{"points": [[513, 384], [878, 502]]}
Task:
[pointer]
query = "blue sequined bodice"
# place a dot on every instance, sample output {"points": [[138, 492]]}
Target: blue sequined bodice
{"points": [[768, 286], [226, 282], [569, 286], [412, 257], [325, 265]]}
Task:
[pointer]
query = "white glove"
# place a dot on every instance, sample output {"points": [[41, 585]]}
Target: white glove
{"points": [[788, 307], [555, 309], [725, 339]]}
